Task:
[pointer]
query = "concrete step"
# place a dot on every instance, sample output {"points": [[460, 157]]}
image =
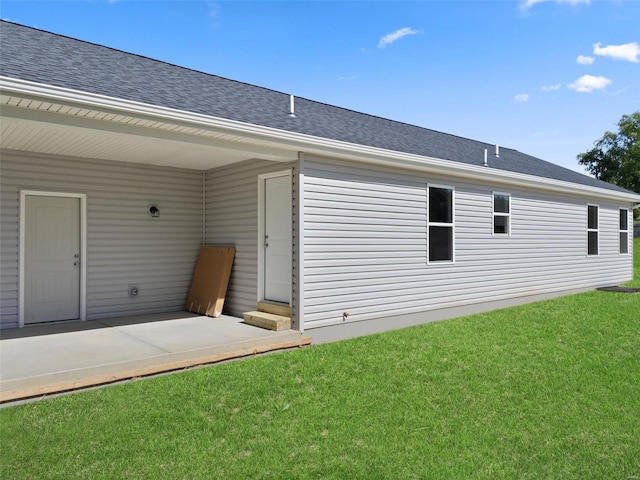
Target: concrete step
{"points": [[268, 321], [275, 308]]}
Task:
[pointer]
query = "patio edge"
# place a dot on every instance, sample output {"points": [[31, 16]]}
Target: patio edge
{"points": [[15, 393]]}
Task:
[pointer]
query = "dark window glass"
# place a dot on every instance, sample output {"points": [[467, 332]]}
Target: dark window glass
{"points": [[592, 240], [500, 203], [440, 205], [592, 221], [624, 218], [440, 243], [500, 224], [624, 242]]}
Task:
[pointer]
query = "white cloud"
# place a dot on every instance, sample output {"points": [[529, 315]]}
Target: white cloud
{"points": [[397, 35], [629, 51], [589, 83], [347, 77], [526, 4], [585, 60], [552, 88], [521, 97], [545, 134]]}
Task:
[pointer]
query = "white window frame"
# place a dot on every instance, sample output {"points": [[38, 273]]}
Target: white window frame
{"points": [[591, 230], [500, 214], [452, 225], [621, 231]]}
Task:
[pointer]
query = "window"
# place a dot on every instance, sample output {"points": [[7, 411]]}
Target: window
{"points": [[624, 231], [440, 224], [592, 230], [501, 213]]}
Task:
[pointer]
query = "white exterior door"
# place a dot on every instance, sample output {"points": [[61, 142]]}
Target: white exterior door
{"points": [[51, 259], [277, 239]]}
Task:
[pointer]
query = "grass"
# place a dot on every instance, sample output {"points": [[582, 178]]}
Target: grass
{"points": [[549, 390]]}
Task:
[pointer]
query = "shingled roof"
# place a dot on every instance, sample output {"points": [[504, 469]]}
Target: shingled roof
{"points": [[38, 56]]}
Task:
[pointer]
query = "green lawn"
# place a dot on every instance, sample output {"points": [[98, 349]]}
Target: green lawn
{"points": [[542, 391]]}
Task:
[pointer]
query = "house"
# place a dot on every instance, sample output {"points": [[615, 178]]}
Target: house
{"points": [[116, 168]]}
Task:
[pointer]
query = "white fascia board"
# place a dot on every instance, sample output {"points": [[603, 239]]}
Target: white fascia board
{"points": [[308, 143]]}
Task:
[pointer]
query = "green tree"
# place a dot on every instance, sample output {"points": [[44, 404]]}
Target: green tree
{"points": [[615, 158]]}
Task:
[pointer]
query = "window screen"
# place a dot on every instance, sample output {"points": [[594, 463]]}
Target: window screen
{"points": [[592, 230], [440, 224], [501, 213], [624, 231]]}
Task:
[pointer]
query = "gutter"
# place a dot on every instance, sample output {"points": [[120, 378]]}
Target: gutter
{"points": [[307, 144]]}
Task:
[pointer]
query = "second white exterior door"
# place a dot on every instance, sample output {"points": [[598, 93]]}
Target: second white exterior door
{"points": [[277, 239]]}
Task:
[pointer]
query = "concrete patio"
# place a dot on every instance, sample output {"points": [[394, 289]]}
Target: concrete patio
{"points": [[52, 358]]}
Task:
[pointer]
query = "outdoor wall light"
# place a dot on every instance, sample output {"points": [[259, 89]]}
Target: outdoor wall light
{"points": [[154, 211]]}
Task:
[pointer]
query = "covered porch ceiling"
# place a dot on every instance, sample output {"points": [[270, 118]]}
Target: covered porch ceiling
{"points": [[40, 125]]}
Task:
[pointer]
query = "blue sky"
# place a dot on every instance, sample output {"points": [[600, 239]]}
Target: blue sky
{"points": [[547, 77]]}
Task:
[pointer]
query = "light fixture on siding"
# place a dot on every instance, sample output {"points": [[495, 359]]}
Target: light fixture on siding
{"points": [[154, 211]]}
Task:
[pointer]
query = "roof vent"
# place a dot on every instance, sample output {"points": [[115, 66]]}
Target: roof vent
{"points": [[497, 151], [486, 162], [292, 106]]}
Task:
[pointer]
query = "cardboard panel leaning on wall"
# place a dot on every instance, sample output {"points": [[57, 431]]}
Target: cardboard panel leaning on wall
{"points": [[210, 281]]}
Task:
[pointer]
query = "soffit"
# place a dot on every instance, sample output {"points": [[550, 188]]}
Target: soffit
{"points": [[48, 127]]}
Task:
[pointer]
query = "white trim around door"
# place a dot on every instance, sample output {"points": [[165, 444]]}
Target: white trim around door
{"points": [[263, 242], [83, 249]]}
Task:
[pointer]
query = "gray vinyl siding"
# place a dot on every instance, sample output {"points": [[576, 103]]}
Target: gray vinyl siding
{"points": [[365, 241], [232, 219], [124, 244]]}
